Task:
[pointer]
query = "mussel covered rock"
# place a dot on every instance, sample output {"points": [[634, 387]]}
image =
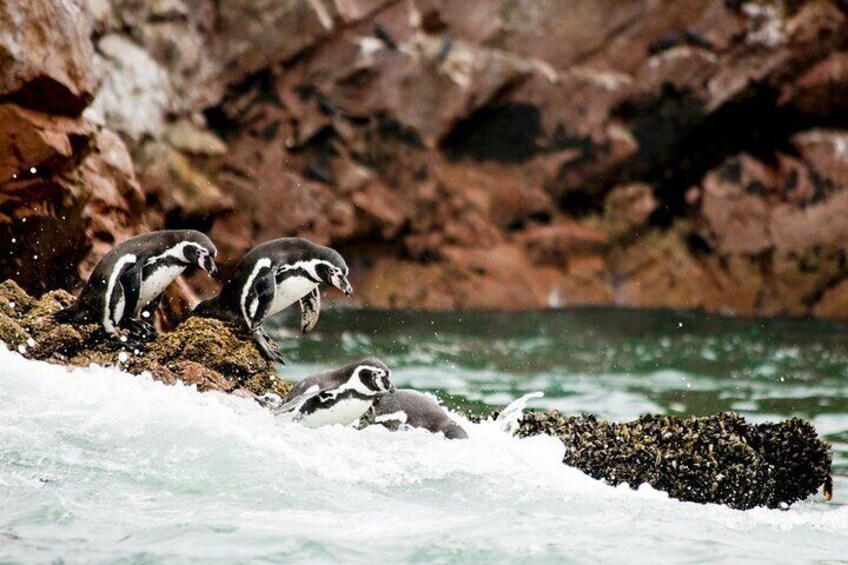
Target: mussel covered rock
{"points": [[715, 459]]}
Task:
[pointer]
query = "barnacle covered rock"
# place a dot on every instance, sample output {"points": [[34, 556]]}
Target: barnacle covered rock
{"points": [[717, 459]]}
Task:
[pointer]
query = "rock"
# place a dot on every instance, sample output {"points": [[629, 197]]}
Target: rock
{"points": [[735, 208], [12, 334], [178, 185], [46, 56], [212, 344], [136, 92], [34, 144], [433, 133], [554, 244], [718, 459], [66, 187], [822, 89], [185, 136], [200, 352], [14, 301], [628, 208]]}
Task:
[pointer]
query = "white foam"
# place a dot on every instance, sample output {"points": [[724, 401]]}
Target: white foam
{"points": [[96, 464]]}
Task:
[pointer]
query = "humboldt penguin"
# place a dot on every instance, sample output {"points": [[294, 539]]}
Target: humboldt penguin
{"points": [[340, 396], [133, 274], [270, 278]]}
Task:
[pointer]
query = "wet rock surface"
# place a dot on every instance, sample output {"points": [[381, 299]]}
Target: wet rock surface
{"points": [[510, 155], [202, 352], [715, 459]]}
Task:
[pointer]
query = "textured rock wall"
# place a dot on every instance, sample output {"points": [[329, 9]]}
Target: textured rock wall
{"points": [[500, 153]]}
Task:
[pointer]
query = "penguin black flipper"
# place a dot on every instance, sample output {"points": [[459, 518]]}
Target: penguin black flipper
{"points": [[297, 401], [256, 304], [258, 297], [310, 308], [130, 283]]}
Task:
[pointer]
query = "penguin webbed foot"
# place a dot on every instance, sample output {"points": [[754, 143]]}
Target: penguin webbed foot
{"points": [[267, 347], [141, 330], [118, 342]]}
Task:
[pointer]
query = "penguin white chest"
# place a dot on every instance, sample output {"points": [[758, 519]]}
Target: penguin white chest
{"points": [[290, 291], [345, 412], [157, 282]]}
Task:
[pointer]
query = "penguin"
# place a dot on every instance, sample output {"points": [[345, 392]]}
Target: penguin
{"points": [[414, 409], [133, 274], [340, 396], [270, 278]]}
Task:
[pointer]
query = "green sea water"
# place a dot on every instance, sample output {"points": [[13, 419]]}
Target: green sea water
{"points": [[614, 363]]}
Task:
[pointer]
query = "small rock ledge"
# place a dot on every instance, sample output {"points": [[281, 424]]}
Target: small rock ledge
{"points": [[201, 352]]}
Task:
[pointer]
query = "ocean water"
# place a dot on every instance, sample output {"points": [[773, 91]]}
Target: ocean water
{"points": [[98, 466]]}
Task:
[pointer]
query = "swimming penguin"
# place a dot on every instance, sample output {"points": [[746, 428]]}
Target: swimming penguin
{"points": [[270, 278], [415, 409], [134, 273], [341, 396]]}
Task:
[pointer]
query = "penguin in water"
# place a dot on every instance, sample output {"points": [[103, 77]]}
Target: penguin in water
{"points": [[340, 396], [270, 278], [414, 409], [133, 274]]}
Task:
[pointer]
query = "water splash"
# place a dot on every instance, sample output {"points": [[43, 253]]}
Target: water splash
{"points": [[96, 464]]}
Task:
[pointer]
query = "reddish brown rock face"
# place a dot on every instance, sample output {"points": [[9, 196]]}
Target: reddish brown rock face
{"points": [[498, 154]]}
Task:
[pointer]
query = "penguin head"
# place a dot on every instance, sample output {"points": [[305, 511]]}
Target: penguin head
{"points": [[331, 269], [373, 376], [198, 250]]}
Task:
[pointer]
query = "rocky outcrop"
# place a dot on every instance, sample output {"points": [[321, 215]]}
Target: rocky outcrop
{"points": [[720, 459], [509, 154], [201, 352]]}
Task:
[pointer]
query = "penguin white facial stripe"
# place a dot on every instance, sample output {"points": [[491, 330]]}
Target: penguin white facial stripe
{"points": [[401, 417], [263, 263], [355, 382], [177, 252], [308, 266], [108, 321]]}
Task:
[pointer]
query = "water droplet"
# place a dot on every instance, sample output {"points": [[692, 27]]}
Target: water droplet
{"points": [[123, 357]]}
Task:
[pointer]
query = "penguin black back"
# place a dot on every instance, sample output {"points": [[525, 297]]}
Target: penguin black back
{"points": [[417, 410]]}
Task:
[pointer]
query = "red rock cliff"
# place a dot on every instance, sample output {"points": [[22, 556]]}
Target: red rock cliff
{"points": [[496, 153]]}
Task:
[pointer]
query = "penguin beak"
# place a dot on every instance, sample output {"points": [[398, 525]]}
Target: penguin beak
{"points": [[341, 283], [208, 265]]}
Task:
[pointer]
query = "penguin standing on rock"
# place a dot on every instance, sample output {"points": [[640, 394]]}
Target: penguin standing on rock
{"points": [[415, 409], [134, 273], [270, 278], [341, 396]]}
